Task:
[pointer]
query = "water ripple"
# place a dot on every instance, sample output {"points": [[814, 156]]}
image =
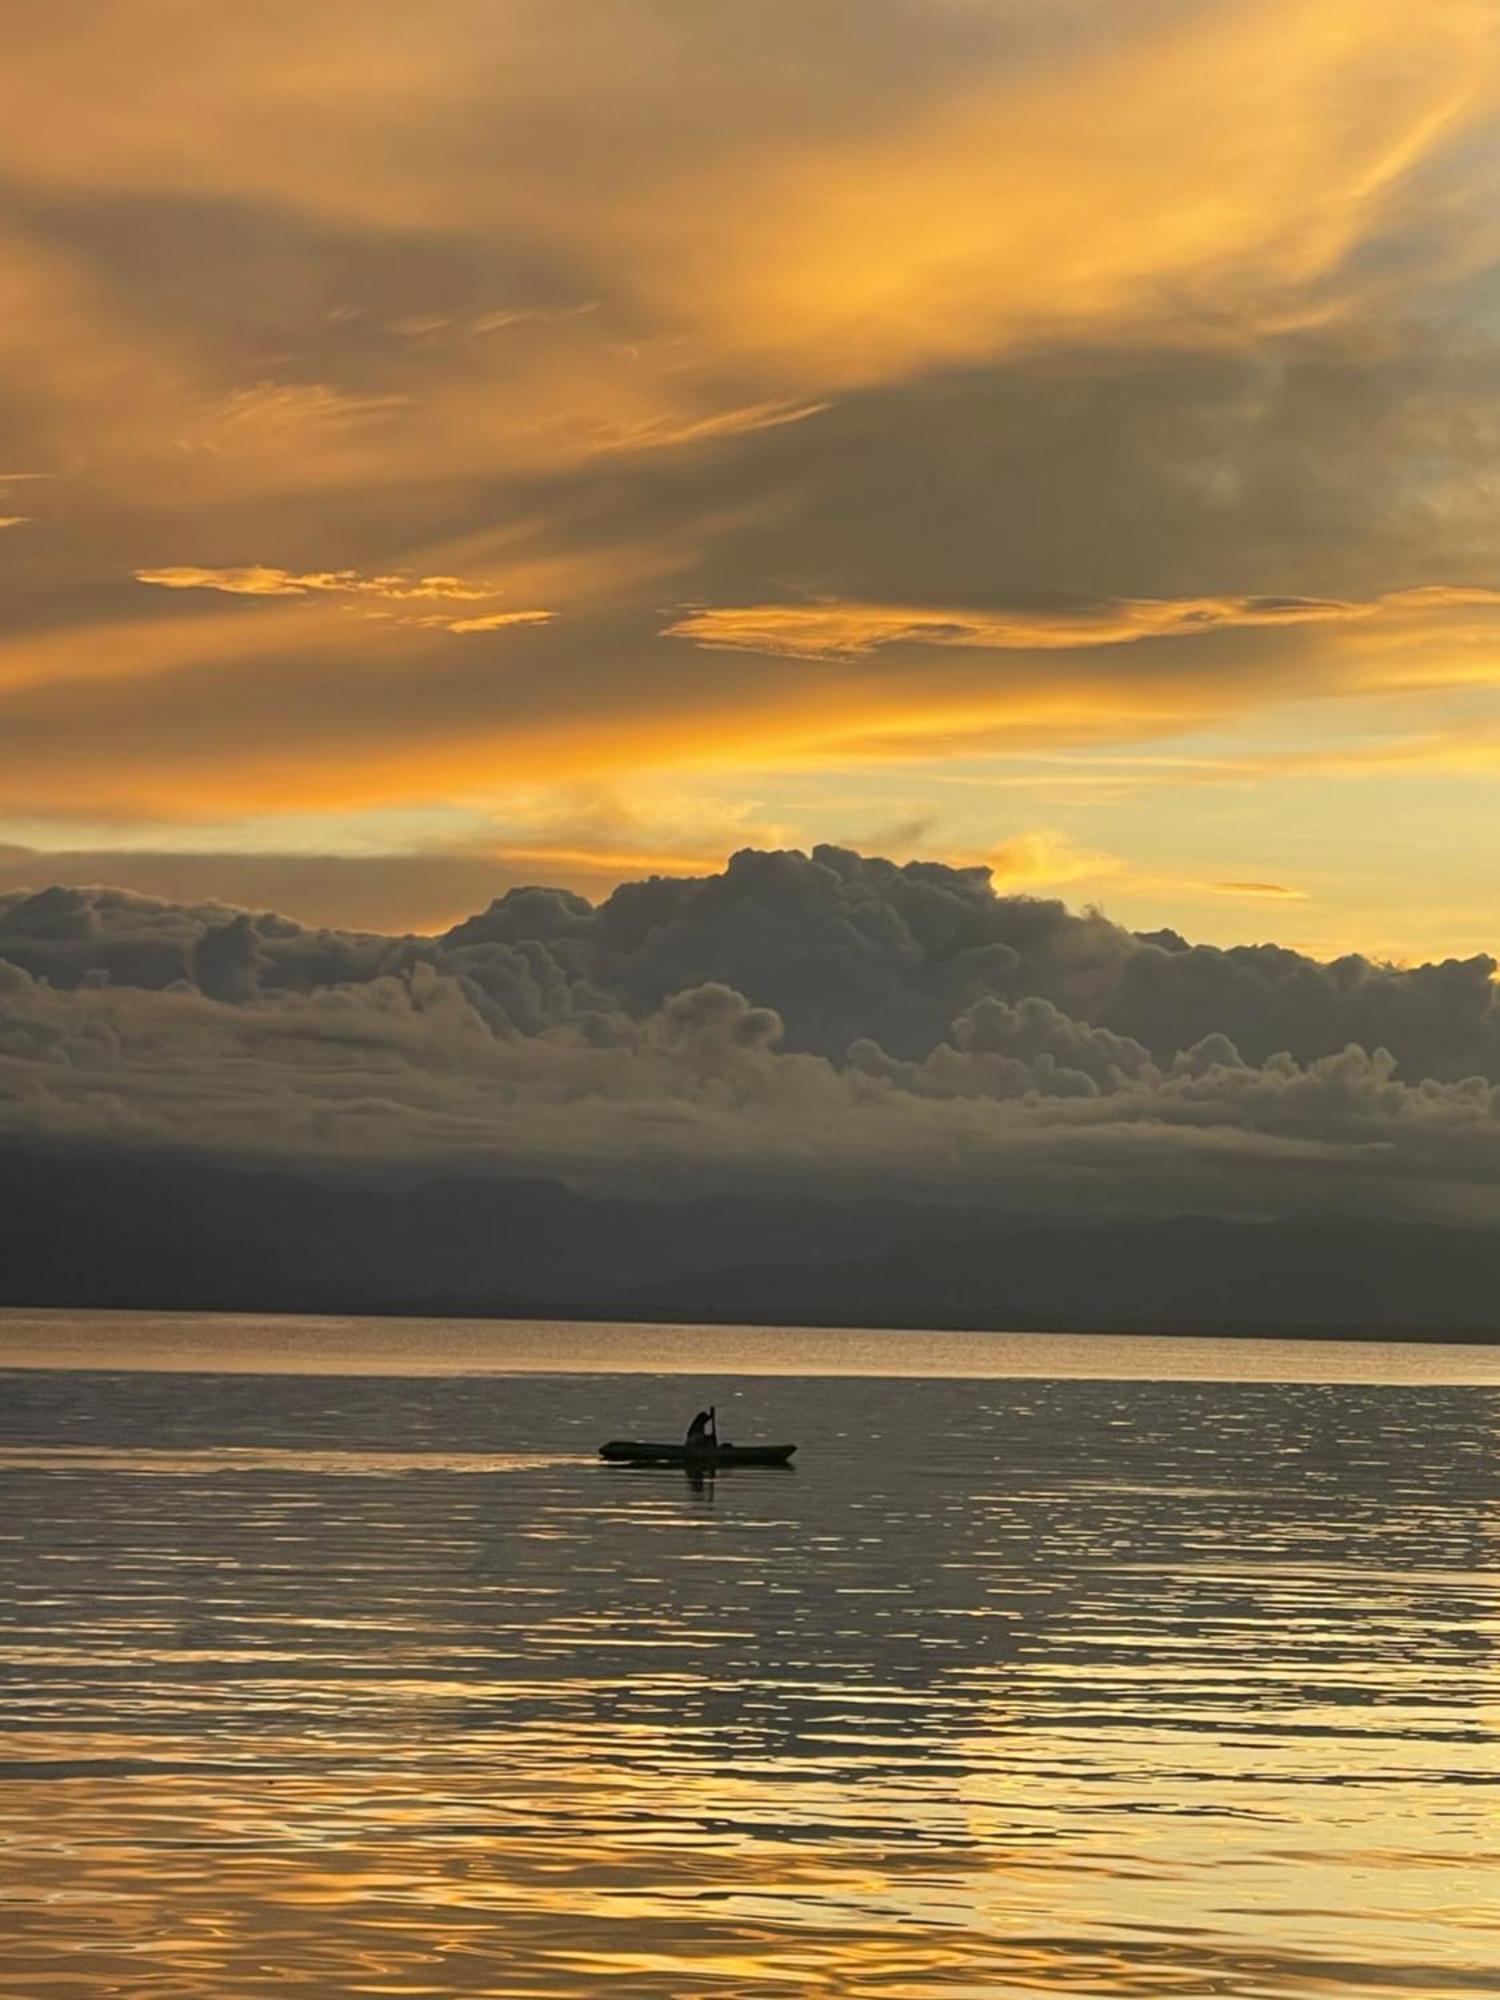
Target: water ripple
{"points": [[1107, 1688]]}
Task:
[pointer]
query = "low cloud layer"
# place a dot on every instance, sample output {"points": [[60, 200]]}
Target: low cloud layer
{"points": [[807, 1024]]}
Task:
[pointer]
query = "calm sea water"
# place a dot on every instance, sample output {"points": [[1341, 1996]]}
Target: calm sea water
{"points": [[1120, 1668]]}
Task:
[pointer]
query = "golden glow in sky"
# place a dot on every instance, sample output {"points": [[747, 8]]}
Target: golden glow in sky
{"points": [[505, 440]]}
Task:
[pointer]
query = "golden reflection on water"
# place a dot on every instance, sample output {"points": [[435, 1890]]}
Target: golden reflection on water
{"points": [[1100, 1688]]}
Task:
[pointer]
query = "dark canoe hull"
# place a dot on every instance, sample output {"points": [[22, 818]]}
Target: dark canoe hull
{"points": [[624, 1451]]}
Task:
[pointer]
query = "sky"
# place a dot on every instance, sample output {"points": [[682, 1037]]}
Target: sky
{"points": [[509, 441]]}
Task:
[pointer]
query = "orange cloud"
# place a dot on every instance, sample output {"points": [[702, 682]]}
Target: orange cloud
{"points": [[1199, 178], [597, 322], [728, 254], [836, 630], [258, 581], [302, 707], [496, 621], [845, 631], [1045, 858], [1275, 890]]}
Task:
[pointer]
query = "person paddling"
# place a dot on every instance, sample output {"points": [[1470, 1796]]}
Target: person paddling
{"points": [[703, 1431]]}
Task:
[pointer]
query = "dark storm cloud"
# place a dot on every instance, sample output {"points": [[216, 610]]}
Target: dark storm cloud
{"points": [[1334, 462], [799, 1022]]}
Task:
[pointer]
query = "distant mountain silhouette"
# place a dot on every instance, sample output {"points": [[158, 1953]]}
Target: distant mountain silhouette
{"points": [[175, 1232]]}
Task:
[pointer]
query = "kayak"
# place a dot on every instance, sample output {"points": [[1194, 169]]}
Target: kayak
{"points": [[699, 1458]]}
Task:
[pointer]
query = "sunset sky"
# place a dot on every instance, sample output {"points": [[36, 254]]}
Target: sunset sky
{"points": [[505, 441]]}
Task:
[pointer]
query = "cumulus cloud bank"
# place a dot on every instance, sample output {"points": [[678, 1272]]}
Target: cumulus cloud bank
{"points": [[823, 1023]]}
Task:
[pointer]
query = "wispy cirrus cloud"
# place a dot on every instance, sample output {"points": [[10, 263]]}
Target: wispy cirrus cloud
{"points": [[273, 418], [1273, 890], [259, 580], [497, 621], [837, 629]]}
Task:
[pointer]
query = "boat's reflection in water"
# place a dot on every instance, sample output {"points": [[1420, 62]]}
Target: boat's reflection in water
{"points": [[1097, 1688]]}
